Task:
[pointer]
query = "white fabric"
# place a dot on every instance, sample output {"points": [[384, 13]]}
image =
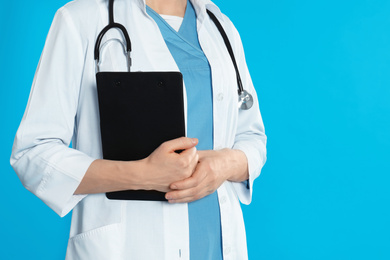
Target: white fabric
{"points": [[63, 107], [174, 21]]}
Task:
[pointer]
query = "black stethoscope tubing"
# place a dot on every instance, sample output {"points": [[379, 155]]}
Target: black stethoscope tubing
{"points": [[245, 99]]}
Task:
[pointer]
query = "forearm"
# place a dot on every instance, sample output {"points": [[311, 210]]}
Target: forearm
{"points": [[106, 176], [239, 165], [155, 172]]}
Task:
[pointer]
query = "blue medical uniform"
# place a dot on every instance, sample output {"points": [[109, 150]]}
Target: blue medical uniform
{"points": [[204, 215]]}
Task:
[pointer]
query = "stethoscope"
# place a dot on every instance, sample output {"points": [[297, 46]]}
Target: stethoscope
{"points": [[245, 100]]}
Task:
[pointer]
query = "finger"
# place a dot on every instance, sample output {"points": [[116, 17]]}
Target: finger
{"points": [[186, 200], [181, 195], [196, 179], [194, 162], [181, 143], [187, 160], [189, 195], [191, 153]]}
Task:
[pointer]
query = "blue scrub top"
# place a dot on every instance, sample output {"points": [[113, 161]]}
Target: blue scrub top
{"points": [[203, 214]]}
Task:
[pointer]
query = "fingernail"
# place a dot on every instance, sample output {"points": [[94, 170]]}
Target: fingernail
{"points": [[168, 197], [173, 187], [172, 201], [194, 140]]}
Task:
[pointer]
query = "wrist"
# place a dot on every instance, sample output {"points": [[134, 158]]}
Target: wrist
{"points": [[133, 174]]}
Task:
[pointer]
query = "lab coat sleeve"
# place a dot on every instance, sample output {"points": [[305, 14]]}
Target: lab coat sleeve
{"points": [[250, 136], [41, 156]]}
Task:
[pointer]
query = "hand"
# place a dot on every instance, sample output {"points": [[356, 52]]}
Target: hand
{"points": [[213, 169], [165, 166]]}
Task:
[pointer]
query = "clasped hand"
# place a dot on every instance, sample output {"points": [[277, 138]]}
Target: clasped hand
{"points": [[192, 174]]}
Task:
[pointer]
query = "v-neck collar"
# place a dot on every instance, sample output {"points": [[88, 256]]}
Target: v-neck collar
{"points": [[188, 17], [188, 14]]}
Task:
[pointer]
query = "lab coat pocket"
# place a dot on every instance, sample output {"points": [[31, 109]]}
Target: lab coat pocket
{"points": [[104, 243]]}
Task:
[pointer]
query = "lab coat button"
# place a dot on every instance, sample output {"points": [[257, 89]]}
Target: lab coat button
{"points": [[220, 97], [227, 250], [223, 199]]}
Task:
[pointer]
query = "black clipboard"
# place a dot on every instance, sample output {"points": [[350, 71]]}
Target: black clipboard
{"points": [[138, 112]]}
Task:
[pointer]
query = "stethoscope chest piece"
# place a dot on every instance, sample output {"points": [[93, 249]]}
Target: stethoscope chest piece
{"points": [[245, 100]]}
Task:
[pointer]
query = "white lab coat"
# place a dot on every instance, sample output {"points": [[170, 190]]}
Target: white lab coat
{"points": [[63, 107]]}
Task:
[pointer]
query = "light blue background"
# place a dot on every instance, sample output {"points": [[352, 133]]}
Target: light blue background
{"points": [[322, 72]]}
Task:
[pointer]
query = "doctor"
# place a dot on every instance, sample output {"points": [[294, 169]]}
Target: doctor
{"points": [[223, 153]]}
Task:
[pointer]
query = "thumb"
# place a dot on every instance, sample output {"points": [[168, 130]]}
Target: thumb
{"points": [[181, 143]]}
